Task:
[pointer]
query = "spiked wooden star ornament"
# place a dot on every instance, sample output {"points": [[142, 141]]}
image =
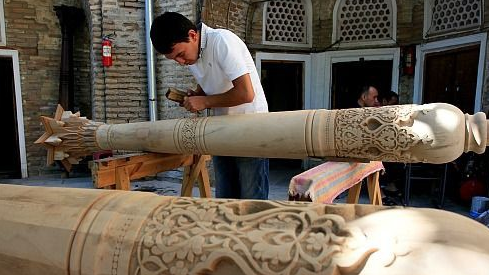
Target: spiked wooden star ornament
{"points": [[68, 137]]}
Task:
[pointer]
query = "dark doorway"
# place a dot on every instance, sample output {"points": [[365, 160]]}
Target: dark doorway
{"points": [[451, 77], [283, 84], [348, 78], [10, 160]]}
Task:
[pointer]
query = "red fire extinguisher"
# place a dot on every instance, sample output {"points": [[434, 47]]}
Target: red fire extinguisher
{"points": [[106, 51], [409, 60]]}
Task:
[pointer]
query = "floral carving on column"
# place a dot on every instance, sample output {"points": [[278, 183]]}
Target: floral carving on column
{"points": [[377, 134], [189, 236]]}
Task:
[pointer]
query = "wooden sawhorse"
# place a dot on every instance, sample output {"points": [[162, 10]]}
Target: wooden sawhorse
{"points": [[373, 187], [118, 171], [324, 182]]}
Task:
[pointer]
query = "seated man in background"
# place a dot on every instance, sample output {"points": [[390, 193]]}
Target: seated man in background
{"points": [[389, 98], [369, 97]]}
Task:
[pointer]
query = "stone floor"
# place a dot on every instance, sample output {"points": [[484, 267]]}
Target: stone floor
{"points": [[168, 183]]}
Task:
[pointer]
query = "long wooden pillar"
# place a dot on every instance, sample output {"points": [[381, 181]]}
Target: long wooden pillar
{"points": [[433, 133], [106, 232]]}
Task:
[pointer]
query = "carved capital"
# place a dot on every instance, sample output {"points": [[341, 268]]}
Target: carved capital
{"points": [[433, 133]]}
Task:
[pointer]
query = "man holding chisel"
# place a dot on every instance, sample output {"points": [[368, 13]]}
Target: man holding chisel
{"points": [[228, 83]]}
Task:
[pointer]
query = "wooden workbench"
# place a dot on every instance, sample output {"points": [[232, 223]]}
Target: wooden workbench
{"points": [[117, 172]]}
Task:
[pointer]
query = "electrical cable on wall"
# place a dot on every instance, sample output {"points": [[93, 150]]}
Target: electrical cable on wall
{"points": [[104, 94]]}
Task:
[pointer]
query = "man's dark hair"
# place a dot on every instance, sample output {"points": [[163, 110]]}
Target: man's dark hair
{"points": [[364, 90], [391, 94], [169, 29], [388, 95]]}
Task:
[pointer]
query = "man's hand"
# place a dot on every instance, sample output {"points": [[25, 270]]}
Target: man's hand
{"points": [[242, 92], [194, 103]]}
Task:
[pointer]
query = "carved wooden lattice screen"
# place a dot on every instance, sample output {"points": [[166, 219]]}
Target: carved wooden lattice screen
{"points": [[286, 22], [364, 20], [453, 15]]}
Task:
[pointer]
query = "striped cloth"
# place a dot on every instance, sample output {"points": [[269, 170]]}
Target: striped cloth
{"points": [[325, 182]]}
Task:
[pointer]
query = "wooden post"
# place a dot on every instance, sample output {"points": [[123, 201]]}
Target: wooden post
{"points": [[196, 171], [354, 193], [373, 188], [122, 181]]}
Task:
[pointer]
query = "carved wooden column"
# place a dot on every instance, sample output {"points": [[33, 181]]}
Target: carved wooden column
{"points": [[434, 133], [56, 231]]}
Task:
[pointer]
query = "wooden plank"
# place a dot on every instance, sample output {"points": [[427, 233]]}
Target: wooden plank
{"points": [[122, 179], [204, 184], [186, 190], [197, 171], [116, 161], [354, 193], [103, 178], [203, 180], [197, 168], [104, 172], [118, 171], [374, 189]]}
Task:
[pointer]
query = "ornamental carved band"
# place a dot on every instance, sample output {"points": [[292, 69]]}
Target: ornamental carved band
{"points": [[386, 135], [188, 140]]}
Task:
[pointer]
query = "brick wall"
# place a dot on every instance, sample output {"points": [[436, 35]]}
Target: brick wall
{"points": [[32, 28], [254, 35], [322, 26], [228, 14], [168, 72], [120, 91]]}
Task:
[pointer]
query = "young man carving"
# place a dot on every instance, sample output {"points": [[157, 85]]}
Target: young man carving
{"points": [[228, 83]]}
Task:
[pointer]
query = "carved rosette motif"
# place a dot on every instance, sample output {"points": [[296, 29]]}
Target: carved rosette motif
{"points": [[377, 133], [189, 236]]}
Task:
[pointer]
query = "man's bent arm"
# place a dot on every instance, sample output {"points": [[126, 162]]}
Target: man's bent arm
{"points": [[241, 93]]}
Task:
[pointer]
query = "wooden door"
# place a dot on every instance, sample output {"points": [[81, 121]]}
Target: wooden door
{"points": [[10, 159], [451, 77]]}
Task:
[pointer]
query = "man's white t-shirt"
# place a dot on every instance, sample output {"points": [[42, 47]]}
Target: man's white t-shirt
{"points": [[223, 58]]}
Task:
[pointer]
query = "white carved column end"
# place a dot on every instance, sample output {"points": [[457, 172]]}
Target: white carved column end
{"points": [[476, 133]]}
